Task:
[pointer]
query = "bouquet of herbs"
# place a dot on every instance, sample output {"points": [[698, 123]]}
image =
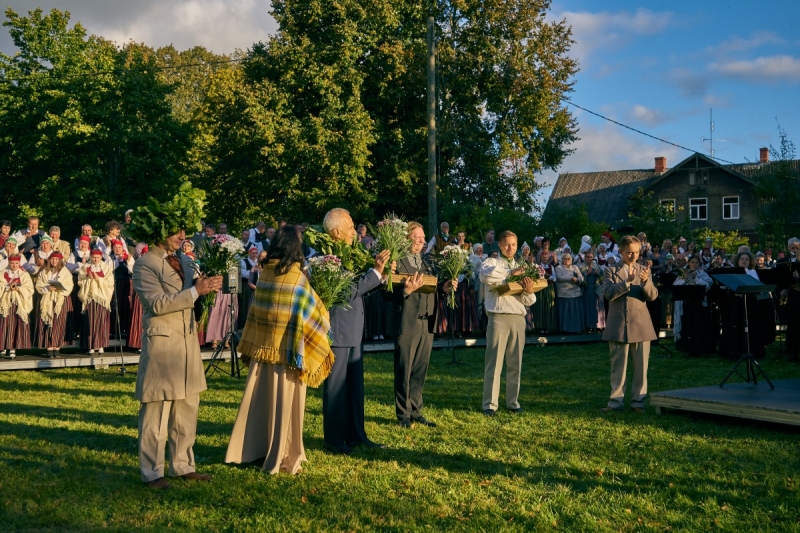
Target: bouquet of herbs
{"points": [[391, 234], [355, 257], [451, 263], [214, 258], [533, 271], [331, 281]]}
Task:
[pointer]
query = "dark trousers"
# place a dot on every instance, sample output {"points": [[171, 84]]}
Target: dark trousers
{"points": [[343, 398], [412, 353]]}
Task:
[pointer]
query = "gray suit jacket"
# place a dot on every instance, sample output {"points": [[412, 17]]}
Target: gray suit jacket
{"points": [[170, 367], [347, 325], [628, 319]]}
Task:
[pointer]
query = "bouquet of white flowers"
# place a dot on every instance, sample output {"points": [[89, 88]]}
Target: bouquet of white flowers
{"points": [[391, 234], [331, 281], [451, 263], [215, 257]]}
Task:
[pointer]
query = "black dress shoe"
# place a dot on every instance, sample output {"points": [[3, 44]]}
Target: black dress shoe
{"points": [[367, 444], [424, 421], [488, 412], [340, 449], [159, 483], [404, 422], [516, 409]]}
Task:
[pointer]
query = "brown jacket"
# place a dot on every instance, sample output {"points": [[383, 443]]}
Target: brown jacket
{"points": [[628, 319], [170, 367]]}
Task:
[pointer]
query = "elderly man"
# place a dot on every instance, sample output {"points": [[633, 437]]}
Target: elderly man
{"points": [[171, 375], [440, 240], [343, 391], [628, 288], [86, 231], [28, 239], [490, 247], [414, 331], [58, 244]]}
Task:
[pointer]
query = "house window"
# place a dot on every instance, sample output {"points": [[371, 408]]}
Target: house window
{"points": [[705, 177], [730, 207], [698, 208], [667, 209], [692, 178]]}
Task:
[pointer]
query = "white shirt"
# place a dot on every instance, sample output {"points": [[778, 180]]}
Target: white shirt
{"points": [[495, 271]]}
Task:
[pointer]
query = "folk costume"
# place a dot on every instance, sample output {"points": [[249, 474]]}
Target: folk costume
{"points": [[54, 306], [569, 302], [122, 270], [286, 338], [16, 304], [96, 297]]}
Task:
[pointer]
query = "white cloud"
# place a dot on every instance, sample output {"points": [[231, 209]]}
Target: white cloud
{"points": [[738, 44], [651, 117], [761, 69], [593, 31], [219, 25]]}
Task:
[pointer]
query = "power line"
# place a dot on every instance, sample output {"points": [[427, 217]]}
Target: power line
{"points": [[570, 102], [48, 75]]}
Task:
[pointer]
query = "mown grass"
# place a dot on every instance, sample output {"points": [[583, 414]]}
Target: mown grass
{"points": [[68, 458]]}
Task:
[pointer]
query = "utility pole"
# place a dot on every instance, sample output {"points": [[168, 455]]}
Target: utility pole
{"points": [[432, 223]]}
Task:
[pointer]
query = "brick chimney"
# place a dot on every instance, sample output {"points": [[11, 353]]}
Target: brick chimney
{"points": [[661, 165], [763, 155]]}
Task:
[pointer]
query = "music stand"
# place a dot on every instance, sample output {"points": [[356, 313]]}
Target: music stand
{"points": [[741, 285], [691, 294]]}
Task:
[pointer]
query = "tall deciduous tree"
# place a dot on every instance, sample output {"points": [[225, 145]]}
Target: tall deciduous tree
{"points": [[85, 127]]}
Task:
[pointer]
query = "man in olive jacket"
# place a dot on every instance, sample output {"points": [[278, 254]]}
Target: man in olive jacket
{"points": [[628, 326], [170, 376]]}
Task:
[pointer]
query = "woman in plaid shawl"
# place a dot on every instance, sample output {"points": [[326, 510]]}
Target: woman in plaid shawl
{"points": [[286, 337]]}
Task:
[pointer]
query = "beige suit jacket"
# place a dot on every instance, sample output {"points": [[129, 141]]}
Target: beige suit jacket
{"points": [[170, 367], [628, 319]]}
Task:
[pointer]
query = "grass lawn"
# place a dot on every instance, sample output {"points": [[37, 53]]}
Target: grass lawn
{"points": [[68, 458]]}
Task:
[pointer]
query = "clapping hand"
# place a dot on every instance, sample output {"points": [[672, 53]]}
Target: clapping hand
{"points": [[631, 274], [381, 259], [644, 274]]}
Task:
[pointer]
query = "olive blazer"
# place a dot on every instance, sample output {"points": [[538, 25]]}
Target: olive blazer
{"points": [[628, 319], [170, 367]]}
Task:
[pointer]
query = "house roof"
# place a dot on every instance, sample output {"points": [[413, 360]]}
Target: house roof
{"points": [[605, 194], [705, 161]]}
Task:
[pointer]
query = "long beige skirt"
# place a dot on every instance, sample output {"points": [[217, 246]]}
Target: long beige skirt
{"points": [[270, 420]]}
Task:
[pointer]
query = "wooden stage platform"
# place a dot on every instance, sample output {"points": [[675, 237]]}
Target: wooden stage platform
{"points": [[741, 400], [36, 359]]}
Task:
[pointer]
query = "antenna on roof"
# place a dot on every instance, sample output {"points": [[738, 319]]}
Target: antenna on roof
{"points": [[711, 132]]}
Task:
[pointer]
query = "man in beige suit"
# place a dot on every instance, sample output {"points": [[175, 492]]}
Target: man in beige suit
{"points": [[171, 375], [628, 326]]}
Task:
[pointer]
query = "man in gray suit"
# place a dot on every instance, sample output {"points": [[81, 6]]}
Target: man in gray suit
{"points": [[171, 375], [628, 326], [343, 390]]}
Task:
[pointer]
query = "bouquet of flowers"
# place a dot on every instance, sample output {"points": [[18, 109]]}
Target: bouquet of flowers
{"points": [[214, 258], [451, 263], [331, 281], [391, 234], [355, 257], [533, 271]]}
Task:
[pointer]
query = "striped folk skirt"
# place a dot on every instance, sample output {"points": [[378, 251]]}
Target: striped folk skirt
{"points": [[96, 326], [15, 334], [135, 328], [53, 335]]}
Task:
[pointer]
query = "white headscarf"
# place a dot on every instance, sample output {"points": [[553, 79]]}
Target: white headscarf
{"points": [[586, 244]]}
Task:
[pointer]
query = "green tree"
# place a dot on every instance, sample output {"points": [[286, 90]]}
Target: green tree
{"points": [[85, 126], [656, 220], [778, 190]]}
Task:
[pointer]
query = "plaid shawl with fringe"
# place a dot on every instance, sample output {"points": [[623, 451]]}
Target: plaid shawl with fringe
{"points": [[288, 325]]}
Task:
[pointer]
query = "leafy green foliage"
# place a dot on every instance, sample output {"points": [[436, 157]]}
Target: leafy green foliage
{"points": [[647, 214], [573, 223], [778, 190], [729, 241], [154, 222], [355, 257]]}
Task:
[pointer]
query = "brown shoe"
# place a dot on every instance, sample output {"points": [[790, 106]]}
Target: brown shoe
{"points": [[638, 410], [159, 483], [194, 476]]}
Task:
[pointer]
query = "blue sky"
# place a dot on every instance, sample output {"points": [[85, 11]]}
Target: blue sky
{"points": [[656, 66], [660, 67]]}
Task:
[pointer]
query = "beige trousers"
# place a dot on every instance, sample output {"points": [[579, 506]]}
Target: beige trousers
{"points": [[505, 340], [640, 353], [173, 421], [270, 420]]}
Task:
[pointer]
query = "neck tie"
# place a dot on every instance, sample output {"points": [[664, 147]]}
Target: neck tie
{"points": [[175, 263]]}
